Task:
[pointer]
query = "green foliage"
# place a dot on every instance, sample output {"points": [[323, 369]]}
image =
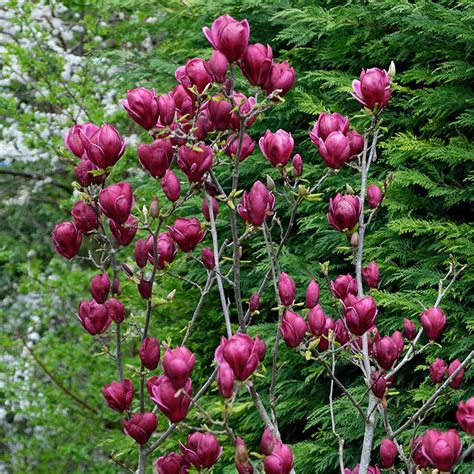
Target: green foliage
{"points": [[425, 217]]}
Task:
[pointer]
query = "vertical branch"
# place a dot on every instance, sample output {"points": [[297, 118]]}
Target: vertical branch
{"points": [[271, 259], [340, 440], [235, 235], [371, 413], [215, 246]]}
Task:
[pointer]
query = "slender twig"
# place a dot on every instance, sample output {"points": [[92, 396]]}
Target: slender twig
{"points": [[271, 258], [55, 380], [215, 246]]}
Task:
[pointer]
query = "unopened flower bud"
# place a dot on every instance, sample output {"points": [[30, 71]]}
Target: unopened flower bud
{"points": [[297, 166], [438, 370], [207, 258], [155, 208], [286, 289], [150, 352], [254, 303]]}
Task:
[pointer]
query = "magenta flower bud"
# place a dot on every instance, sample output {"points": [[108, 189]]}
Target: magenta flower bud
{"points": [[335, 150], [83, 175], [100, 287], [167, 107], [232, 146], [150, 352], [257, 204], [73, 141], [297, 166], [67, 239], [207, 258], [340, 332], [225, 380], [267, 442], [202, 450], [116, 289], [195, 162], [329, 326], [141, 252], [293, 328], [433, 321], [312, 294], [388, 453], [254, 303], [371, 274], [170, 185], [172, 463], [397, 338], [442, 449], [124, 234], [116, 201], [156, 158], [105, 147], [126, 268], [374, 196], [142, 106], [378, 385], [196, 73], [166, 250], [344, 211], [286, 289], [277, 147], [438, 370], [409, 329], [344, 285], [178, 365], [316, 320], [116, 310], [94, 317], [172, 402], [281, 76], [372, 89], [241, 353], [261, 349], [327, 124], [256, 63], [243, 104], [145, 289], [356, 142], [218, 65], [85, 217], [184, 103], [465, 416], [205, 208], [280, 461], [386, 351], [360, 317], [459, 379], [140, 426], [220, 112], [417, 455], [242, 463], [119, 396], [229, 36], [187, 233]]}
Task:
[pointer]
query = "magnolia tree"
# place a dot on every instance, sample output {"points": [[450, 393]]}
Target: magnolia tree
{"points": [[201, 131]]}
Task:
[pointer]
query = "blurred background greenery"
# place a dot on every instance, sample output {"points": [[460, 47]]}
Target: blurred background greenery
{"points": [[71, 61]]}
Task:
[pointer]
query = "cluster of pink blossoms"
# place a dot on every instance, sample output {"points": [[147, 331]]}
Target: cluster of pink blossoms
{"points": [[179, 123]]}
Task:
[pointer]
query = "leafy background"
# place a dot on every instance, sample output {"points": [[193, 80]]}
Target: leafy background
{"points": [[74, 60]]}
